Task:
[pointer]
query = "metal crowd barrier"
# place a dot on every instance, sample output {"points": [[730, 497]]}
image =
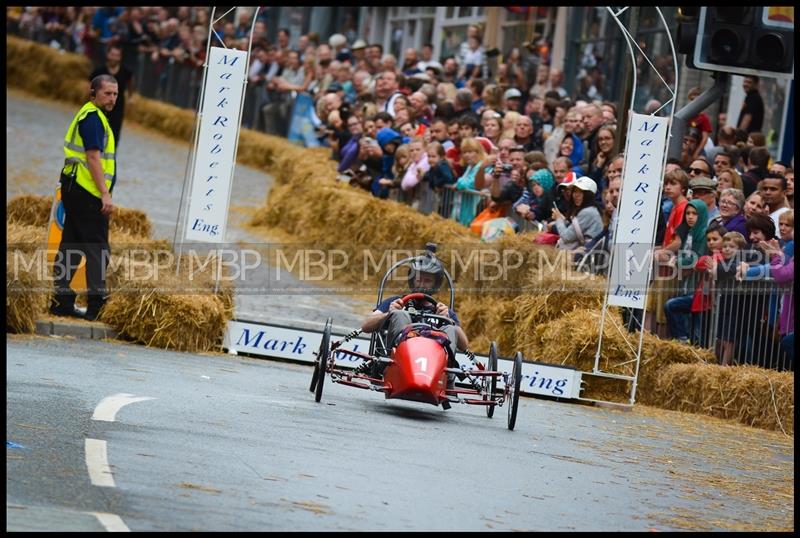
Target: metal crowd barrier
{"points": [[168, 80], [741, 325]]}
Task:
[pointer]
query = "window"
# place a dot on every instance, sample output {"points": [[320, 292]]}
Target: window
{"points": [[409, 27], [454, 28], [396, 46]]}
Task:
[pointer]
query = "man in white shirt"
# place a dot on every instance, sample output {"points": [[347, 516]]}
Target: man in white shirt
{"points": [[773, 191], [387, 90]]}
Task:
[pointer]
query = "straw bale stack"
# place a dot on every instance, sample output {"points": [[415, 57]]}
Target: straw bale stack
{"points": [[259, 150], [129, 221], [194, 322], [151, 304], [169, 120], [28, 293], [57, 75], [338, 214], [492, 320], [29, 209], [751, 395], [24, 237], [27, 296], [572, 340], [175, 311], [34, 210], [147, 303]]}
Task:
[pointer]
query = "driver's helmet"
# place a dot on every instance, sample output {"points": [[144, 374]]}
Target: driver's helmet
{"points": [[426, 263]]}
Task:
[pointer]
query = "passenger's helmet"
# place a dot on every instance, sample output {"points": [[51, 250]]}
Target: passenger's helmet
{"points": [[426, 263]]}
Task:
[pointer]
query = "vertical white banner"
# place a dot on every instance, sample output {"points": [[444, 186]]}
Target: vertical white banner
{"points": [[638, 210], [219, 130]]}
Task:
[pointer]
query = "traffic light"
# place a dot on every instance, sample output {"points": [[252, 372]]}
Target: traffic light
{"points": [[745, 40], [687, 32]]}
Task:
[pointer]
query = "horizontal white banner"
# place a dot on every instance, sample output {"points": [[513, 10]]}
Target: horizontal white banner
{"points": [[300, 345]]}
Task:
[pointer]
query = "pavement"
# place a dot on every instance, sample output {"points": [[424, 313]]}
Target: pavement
{"points": [[63, 326]]}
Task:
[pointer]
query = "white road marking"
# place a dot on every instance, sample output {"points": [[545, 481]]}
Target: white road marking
{"points": [[108, 407], [112, 522], [97, 463]]}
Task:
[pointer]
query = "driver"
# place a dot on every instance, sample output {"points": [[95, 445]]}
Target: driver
{"points": [[426, 276]]}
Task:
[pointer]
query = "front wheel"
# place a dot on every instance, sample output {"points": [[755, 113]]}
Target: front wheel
{"points": [[491, 381], [513, 394], [322, 360]]}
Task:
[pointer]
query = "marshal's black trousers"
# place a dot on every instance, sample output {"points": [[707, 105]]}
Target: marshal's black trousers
{"points": [[85, 234]]}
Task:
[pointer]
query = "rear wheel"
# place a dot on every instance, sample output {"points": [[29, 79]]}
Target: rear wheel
{"points": [[322, 360], [323, 345], [491, 381], [513, 395]]}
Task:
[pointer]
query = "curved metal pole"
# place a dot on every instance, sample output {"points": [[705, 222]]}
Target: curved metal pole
{"points": [[195, 140], [630, 49], [236, 144], [627, 37], [661, 193], [241, 112]]}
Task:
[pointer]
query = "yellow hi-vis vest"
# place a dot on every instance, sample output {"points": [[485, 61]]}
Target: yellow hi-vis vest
{"points": [[75, 154]]}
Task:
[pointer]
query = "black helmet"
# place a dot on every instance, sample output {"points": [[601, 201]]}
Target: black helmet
{"points": [[426, 263]]}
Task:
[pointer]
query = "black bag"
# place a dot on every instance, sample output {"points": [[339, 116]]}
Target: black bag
{"points": [[67, 179]]}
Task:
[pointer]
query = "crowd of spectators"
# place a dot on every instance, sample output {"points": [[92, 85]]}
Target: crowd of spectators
{"points": [[478, 140]]}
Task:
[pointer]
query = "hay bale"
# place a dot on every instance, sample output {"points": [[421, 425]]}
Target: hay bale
{"points": [[171, 321], [57, 73], [493, 320], [132, 222], [748, 394], [35, 210], [181, 312], [27, 238], [166, 119], [29, 209], [28, 288], [572, 340], [28, 293]]}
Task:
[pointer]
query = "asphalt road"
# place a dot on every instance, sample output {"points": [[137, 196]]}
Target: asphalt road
{"points": [[238, 444]]}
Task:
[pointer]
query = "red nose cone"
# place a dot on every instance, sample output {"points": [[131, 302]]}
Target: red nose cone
{"points": [[417, 372]]}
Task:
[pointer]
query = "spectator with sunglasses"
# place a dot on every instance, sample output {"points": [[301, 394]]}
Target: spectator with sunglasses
{"points": [[699, 167]]}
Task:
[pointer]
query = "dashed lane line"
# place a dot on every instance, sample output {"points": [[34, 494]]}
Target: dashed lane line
{"points": [[112, 522], [97, 463]]}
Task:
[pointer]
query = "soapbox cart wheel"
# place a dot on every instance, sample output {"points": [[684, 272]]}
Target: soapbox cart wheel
{"points": [[513, 393], [318, 377], [491, 381]]}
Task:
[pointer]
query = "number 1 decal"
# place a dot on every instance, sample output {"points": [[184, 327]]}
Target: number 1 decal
{"points": [[423, 361]]}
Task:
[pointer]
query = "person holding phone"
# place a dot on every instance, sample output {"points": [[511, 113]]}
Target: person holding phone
{"points": [[585, 221]]}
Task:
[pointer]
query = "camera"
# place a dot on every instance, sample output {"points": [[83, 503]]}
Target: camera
{"points": [[345, 111], [507, 167]]}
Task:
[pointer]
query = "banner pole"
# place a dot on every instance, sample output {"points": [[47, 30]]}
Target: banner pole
{"points": [[661, 192], [236, 144], [190, 164], [619, 201], [630, 40]]}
